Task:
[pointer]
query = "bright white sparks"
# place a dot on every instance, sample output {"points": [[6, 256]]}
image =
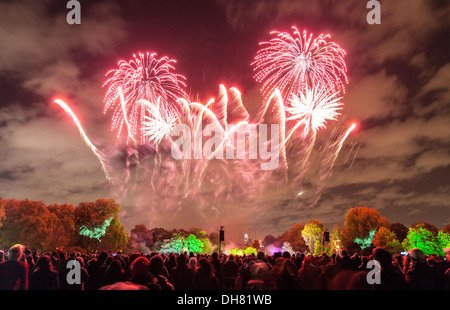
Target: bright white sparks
{"points": [[314, 108]]}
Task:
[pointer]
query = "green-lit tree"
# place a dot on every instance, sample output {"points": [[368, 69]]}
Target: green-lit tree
{"points": [[236, 252], [179, 244], [249, 251], [115, 237], [444, 240], [422, 238], [92, 220], [174, 245], [194, 244]]}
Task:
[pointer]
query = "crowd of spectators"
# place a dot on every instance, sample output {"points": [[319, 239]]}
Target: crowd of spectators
{"points": [[22, 269]]}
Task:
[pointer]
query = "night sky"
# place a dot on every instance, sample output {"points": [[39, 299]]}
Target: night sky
{"points": [[398, 93]]}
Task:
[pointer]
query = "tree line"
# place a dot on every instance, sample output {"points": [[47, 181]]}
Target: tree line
{"points": [[95, 226]]}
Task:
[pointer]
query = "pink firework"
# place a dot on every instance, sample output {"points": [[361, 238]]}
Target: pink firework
{"points": [[292, 63], [143, 78]]}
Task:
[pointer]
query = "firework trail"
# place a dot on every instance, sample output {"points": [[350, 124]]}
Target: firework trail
{"points": [[88, 142], [145, 77], [292, 63], [333, 156], [274, 104]]}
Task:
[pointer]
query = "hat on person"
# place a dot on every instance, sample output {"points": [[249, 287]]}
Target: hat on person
{"points": [[417, 254]]}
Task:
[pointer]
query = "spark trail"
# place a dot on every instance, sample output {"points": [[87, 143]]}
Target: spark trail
{"points": [[88, 142]]}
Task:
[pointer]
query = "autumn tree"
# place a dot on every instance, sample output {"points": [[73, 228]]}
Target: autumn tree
{"points": [[29, 223], [2, 210], [141, 239], [294, 237], [63, 231], [360, 221], [214, 238], [271, 240], [446, 228], [196, 231], [256, 244], [399, 230], [388, 240], [430, 227]]}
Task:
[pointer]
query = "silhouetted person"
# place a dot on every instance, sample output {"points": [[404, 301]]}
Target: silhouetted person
{"points": [[84, 277], [442, 267], [217, 265], [13, 271], [260, 277], [230, 271], [171, 262], [309, 275], [113, 274], [182, 274], [284, 274], [204, 277], [346, 262], [298, 260], [391, 278], [156, 267], [43, 277], [96, 271], [141, 275], [419, 275]]}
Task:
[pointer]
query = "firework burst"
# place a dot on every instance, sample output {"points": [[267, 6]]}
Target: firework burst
{"points": [[143, 78], [313, 109], [292, 63], [160, 121]]}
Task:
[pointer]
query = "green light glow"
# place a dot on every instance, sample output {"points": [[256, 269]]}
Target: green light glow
{"points": [[180, 244], [365, 243], [96, 232], [236, 252], [424, 239]]}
